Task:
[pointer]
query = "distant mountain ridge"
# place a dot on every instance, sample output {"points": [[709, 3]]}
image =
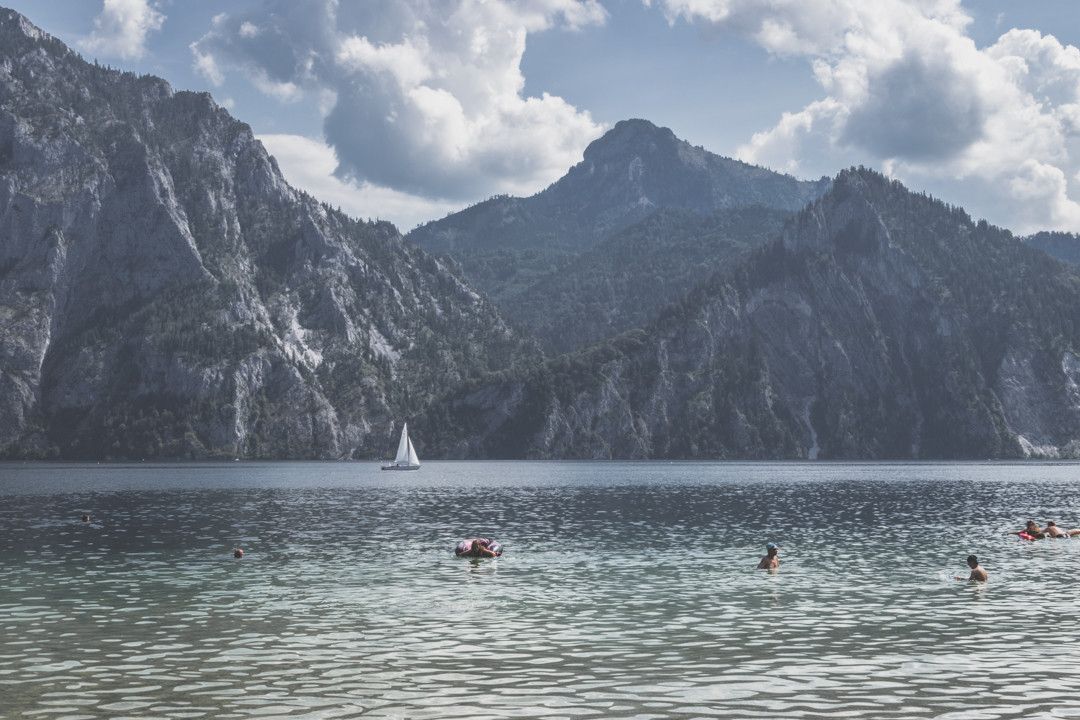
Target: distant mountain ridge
{"points": [[512, 247], [165, 293], [632, 170], [1061, 245], [880, 324]]}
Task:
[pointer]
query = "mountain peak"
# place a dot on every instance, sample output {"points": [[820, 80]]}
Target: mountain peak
{"points": [[631, 171], [12, 21], [630, 136]]}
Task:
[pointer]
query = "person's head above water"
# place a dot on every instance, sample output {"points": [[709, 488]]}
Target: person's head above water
{"points": [[1051, 523], [238, 552], [86, 518], [972, 561], [771, 548]]}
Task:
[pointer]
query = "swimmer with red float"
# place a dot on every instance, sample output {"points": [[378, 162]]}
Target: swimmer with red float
{"points": [[1032, 531]]}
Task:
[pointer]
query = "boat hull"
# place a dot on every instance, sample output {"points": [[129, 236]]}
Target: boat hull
{"points": [[400, 467]]}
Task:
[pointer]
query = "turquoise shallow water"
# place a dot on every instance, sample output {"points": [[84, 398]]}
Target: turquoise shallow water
{"points": [[627, 590]]}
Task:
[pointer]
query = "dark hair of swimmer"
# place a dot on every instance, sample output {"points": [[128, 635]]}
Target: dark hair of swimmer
{"points": [[1051, 523], [238, 553], [972, 561], [86, 518]]}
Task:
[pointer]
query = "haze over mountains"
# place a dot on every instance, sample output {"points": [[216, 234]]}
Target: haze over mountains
{"points": [[164, 293]]}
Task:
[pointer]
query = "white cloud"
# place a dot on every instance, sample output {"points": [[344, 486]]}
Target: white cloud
{"points": [[120, 29], [906, 89], [309, 164], [206, 65], [284, 91], [427, 98]]}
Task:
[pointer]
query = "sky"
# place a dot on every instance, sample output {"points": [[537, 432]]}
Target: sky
{"points": [[412, 109]]}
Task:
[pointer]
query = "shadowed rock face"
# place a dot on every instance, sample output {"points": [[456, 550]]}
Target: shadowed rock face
{"points": [[164, 292], [880, 324], [639, 190]]}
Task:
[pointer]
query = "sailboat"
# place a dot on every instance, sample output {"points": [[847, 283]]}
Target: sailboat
{"points": [[406, 455]]}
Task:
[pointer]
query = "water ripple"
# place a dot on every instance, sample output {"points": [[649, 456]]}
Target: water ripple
{"points": [[626, 591]]}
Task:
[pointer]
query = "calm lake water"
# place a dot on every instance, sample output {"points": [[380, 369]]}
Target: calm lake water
{"points": [[626, 590]]}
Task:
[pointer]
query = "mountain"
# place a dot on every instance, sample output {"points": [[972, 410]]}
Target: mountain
{"points": [[164, 292], [509, 247], [627, 278], [1061, 245], [880, 324]]}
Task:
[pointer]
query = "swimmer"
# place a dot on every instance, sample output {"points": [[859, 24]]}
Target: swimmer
{"points": [[1031, 529], [481, 548], [238, 553], [86, 518], [771, 561], [1055, 532], [977, 573]]}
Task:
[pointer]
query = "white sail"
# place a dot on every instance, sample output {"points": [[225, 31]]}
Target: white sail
{"points": [[403, 447], [406, 454], [413, 460]]}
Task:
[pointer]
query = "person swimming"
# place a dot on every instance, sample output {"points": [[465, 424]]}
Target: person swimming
{"points": [[771, 561], [1054, 531], [86, 518], [238, 553], [476, 547], [977, 573], [1031, 530]]}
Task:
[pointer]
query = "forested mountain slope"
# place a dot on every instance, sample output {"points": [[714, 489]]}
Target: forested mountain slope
{"points": [[1064, 246], [626, 279], [881, 324]]}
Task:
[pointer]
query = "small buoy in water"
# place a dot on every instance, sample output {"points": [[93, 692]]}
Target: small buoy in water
{"points": [[238, 553], [86, 518]]}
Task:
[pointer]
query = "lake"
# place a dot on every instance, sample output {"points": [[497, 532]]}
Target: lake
{"points": [[627, 590]]}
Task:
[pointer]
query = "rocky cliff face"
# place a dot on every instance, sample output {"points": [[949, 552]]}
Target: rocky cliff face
{"points": [[163, 291], [881, 324], [518, 249]]}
